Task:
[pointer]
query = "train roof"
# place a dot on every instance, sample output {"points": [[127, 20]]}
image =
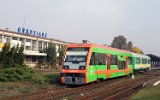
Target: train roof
{"points": [[97, 45], [140, 55]]}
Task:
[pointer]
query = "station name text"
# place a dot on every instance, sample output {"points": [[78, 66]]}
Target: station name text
{"points": [[32, 32]]}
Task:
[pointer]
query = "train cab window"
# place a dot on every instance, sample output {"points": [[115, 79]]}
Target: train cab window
{"points": [[113, 59]]}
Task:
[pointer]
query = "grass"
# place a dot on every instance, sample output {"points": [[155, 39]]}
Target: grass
{"points": [[41, 82], [148, 93]]}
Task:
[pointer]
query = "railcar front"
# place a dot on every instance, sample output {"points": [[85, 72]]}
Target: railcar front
{"points": [[141, 62], [74, 65]]}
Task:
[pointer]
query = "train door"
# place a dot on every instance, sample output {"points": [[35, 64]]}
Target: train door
{"points": [[101, 65], [92, 69], [108, 61], [122, 62]]}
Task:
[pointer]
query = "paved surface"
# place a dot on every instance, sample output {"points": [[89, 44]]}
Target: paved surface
{"points": [[156, 81], [155, 68]]}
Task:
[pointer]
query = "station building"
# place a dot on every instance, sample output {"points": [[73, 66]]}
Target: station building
{"points": [[33, 45]]}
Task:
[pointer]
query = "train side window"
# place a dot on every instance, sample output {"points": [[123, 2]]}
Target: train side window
{"points": [[100, 59], [92, 60], [113, 59], [144, 61], [149, 61], [129, 60], [137, 60]]}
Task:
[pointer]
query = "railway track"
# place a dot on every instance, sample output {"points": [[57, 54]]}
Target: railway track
{"points": [[116, 91], [91, 91], [62, 92]]}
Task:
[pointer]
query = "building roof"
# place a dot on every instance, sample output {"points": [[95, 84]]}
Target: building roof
{"points": [[28, 35]]}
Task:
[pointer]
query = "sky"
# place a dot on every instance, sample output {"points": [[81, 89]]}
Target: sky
{"points": [[98, 21]]}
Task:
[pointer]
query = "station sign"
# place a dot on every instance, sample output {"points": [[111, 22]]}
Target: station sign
{"points": [[32, 32]]}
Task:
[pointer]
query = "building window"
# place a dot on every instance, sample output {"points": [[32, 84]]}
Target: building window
{"points": [[28, 58], [45, 45], [28, 47], [34, 59], [21, 41], [40, 45], [7, 39], [28, 40], [0, 38], [34, 45], [28, 44], [14, 38]]}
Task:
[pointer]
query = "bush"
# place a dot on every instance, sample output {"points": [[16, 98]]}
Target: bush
{"points": [[38, 78], [51, 78], [24, 73], [16, 74]]}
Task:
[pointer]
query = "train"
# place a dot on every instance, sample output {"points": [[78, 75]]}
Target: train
{"points": [[85, 63]]}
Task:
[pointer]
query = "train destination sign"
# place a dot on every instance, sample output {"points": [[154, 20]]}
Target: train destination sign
{"points": [[32, 32]]}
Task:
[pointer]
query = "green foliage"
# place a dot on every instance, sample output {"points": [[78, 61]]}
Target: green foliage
{"points": [[12, 68], [61, 54], [15, 74], [25, 90], [50, 78], [51, 53], [38, 78], [18, 55], [22, 73], [4, 58], [11, 57], [129, 46], [120, 42], [149, 93]]}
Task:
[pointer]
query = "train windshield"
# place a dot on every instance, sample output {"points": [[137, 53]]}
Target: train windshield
{"points": [[75, 58]]}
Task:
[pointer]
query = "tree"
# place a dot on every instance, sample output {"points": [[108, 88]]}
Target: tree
{"points": [[129, 46], [11, 57], [5, 55], [51, 53], [11, 54], [137, 50], [119, 42], [20, 55], [61, 54], [17, 55]]}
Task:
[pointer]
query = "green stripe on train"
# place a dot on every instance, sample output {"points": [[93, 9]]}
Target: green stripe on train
{"points": [[93, 68]]}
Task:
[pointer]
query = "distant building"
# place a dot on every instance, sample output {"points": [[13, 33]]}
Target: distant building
{"points": [[33, 45]]}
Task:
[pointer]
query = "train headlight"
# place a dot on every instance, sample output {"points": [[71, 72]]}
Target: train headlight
{"points": [[82, 67], [62, 74], [82, 75], [66, 67]]}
